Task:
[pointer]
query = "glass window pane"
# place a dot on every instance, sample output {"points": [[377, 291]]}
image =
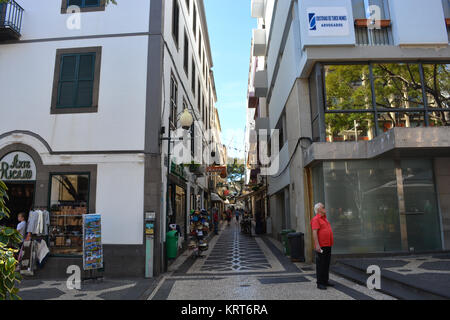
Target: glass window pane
{"points": [[362, 206], [91, 3], [68, 202], [86, 69], [389, 120], [359, 10], [75, 3], [437, 81], [84, 96], [398, 86], [348, 87], [422, 215], [66, 94], [439, 118], [68, 68], [349, 126]]}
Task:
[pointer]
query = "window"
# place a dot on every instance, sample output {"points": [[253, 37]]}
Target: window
{"points": [[364, 100], [76, 80], [281, 127], [193, 77], [186, 54], [199, 96], [85, 5], [363, 198], [200, 46], [175, 22], [194, 23], [69, 200], [192, 141], [360, 9], [173, 102]]}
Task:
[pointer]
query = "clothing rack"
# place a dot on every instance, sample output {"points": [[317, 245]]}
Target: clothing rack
{"points": [[39, 208]]}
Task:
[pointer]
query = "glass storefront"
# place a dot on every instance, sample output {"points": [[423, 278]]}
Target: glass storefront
{"points": [[69, 197], [365, 209], [357, 102]]}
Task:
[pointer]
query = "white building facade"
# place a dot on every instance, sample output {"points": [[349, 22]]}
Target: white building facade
{"points": [[350, 134], [88, 96]]}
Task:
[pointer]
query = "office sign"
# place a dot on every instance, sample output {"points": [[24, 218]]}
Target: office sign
{"points": [[325, 23], [328, 22]]}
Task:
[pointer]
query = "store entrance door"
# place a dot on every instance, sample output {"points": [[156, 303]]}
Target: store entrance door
{"points": [[21, 199]]}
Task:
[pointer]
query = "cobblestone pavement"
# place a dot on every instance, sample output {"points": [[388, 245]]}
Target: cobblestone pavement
{"points": [[239, 267], [106, 289]]}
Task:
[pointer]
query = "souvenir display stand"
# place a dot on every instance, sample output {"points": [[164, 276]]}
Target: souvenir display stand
{"points": [[199, 228], [92, 247]]}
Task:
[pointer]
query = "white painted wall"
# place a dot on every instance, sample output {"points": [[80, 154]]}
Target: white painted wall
{"points": [[278, 183], [278, 24], [27, 79], [120, 199], [287, 73], [418, 22], [43, 19]]}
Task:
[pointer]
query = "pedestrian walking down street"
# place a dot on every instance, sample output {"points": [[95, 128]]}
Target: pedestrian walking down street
{"points": [[216, 220], [323, 241], [237, 213], [228, 217]]}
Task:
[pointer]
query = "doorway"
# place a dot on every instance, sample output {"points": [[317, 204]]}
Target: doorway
{"points": [[21, 199]]}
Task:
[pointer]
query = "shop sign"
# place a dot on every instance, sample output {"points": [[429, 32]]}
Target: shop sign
{"points": [[177, 170], [219, 170], [17, 166], [328, 21]]}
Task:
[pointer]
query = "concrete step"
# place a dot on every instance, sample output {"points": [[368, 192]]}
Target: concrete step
{"points": [[389, 286]]}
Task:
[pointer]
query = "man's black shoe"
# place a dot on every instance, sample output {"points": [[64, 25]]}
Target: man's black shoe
{"points": [[321, 287], [329, 285]]}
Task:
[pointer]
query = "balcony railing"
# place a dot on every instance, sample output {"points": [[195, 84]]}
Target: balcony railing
{"points": [[366, 36], [10, 20]]}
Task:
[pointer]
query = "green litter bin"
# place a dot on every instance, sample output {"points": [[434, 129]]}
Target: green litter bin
{"points": [[172, 244], [284, 240]]}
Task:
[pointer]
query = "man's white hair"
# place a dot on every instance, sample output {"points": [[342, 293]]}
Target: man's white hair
{"points": [[317, 207]]}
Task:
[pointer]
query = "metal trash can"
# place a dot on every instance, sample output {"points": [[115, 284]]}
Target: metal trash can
{"points": [[284, 240], [297, 246], [172, 244]]}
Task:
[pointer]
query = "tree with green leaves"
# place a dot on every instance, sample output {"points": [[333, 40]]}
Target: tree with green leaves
{"points": [[235, 179], [10, 239], [396, 86]]}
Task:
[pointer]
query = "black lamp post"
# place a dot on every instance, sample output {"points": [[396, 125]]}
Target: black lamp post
{"points": [[186, 120]]}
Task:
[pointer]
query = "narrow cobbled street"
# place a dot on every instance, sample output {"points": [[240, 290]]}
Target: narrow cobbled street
{"points": [[239, 267]]}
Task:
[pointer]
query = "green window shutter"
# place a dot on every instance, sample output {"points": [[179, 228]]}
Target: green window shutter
{"points": [[76, 82], [83, 3]]}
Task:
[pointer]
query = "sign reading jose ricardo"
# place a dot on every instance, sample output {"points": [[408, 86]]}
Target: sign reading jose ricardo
{"points": [[17, 166], [326, 22]]}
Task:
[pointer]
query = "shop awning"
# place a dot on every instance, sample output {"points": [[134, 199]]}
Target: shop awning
{"points": [[215, 197]]}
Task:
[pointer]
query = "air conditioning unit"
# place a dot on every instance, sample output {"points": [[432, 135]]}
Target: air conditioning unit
{"points": [[258, 8], [259, 42], [261, 83]]}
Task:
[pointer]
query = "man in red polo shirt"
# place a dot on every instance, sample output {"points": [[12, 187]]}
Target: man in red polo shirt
{"points": [[323, 241]]}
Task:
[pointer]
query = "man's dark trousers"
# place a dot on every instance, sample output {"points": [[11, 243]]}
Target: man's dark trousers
{"points": [[323, 265]]}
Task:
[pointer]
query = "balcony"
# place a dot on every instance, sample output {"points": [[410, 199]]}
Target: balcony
{"points": [[10, 20], [258, 8], [261, 83], [259, 42], [366, 36]]}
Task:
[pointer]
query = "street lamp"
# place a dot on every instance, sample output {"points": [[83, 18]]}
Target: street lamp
{"points": [[186, 120]]}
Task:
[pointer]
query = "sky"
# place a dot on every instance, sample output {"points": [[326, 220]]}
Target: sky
{"points": [[230, 31]]}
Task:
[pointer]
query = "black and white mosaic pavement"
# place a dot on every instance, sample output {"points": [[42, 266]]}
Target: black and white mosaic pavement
{"points": [[235, 251]]}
